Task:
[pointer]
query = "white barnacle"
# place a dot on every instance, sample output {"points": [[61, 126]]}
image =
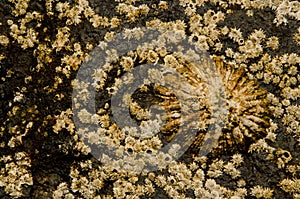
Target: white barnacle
{"points": [[127, 63]]}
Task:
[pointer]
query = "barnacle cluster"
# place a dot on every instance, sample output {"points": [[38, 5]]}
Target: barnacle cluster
{"points": [[241, 110]]}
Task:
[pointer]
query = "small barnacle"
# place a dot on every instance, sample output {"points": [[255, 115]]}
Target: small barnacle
{"points": [[143, 9], [148, 188], [170, 60], [163, 5], [84, 116], [4, 40], [296, 37], [214, 173], [218, 46], [190, 10], [293, 169], [283, 157], [62, 7], [257, 36], [241, 183], [249, 13], [251, 49], [212, 18], [225, 30], [261, 145], [237, 159], [2, 57], [137, 111], [109, 36], [161, 181], [260, 75], [171, 191], [271, 136], [268, 77], [127, 63], [292, 81], [112, 56], [229, 52], [152, 57], [292, 70], [276, 79], [115, 22], [215, 169], [273, 43], [231, 170], [171, 180], [193, 166], [286, 102], [261, 192], [292, 59], [235, 35], [290, 186]]}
